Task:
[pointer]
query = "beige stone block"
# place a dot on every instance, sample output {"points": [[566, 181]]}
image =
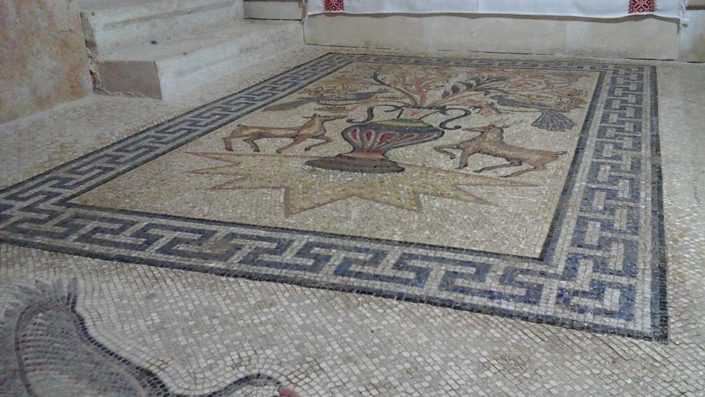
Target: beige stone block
{"points": [[42, 56], [634, 37], [692, 45]]}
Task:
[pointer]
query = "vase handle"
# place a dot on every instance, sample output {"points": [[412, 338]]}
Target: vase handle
{"points": [[371, 113], [444, 125]]}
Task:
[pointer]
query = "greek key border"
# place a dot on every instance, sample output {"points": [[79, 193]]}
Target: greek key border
{"points": [[553, 289]]}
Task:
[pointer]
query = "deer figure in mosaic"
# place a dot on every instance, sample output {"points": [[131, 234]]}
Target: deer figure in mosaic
{"points": [[314, 128], [491, 142]]}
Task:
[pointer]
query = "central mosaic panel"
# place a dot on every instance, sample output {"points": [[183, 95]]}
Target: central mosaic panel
{"points": [[473, 158], [518, 188]]}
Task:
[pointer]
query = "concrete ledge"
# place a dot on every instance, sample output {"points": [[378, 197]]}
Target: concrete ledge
{"points": [[115, 24], [273, 9], [640, 37], [692, 38], [170, 69]]}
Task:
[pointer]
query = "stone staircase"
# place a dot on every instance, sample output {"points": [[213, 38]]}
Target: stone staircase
{"points": [[164, 48]]}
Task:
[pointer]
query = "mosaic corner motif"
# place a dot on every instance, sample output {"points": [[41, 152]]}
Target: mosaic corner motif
{"points": [[446, 129]]}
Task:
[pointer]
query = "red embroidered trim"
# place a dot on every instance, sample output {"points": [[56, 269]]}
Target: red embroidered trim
{"points": [[335, 5], [640, 6], [635, 6]]}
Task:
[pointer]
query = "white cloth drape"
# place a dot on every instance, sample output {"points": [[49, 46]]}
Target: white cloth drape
{"points": [[564, 8]]}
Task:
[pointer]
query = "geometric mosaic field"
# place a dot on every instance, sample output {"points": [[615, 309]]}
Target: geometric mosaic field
{"points": [[347, 173]]}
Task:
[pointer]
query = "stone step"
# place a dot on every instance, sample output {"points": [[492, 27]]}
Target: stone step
{"points": [[110, 25], [173, 67]]}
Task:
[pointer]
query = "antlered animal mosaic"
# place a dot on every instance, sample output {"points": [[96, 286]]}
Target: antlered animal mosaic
{"points": [[379, 141]]}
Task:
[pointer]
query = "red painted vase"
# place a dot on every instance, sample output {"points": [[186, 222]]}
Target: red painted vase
{"points": [[371, 142]]}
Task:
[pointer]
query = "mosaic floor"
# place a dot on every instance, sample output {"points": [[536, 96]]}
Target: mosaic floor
{"points": [[369, 224]]}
